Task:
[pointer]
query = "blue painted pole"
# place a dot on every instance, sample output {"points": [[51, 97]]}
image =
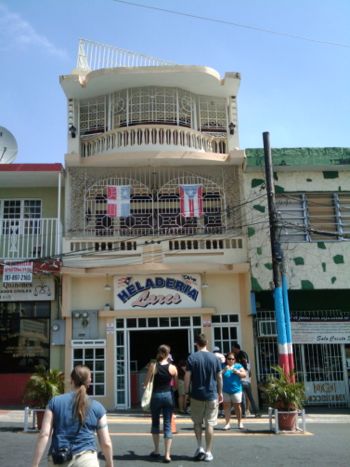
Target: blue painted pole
{"points": [[283, 358], [287, 321]]}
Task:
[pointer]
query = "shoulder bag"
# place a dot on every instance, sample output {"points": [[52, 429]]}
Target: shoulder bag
{"points": [[147, 393]]}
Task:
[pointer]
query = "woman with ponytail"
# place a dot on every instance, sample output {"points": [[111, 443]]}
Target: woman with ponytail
{"points": [[72, 420], [163, 374]]}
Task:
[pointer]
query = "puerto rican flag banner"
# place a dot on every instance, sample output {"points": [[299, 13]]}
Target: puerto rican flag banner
{"points": [[191, 200], [118, 200]]}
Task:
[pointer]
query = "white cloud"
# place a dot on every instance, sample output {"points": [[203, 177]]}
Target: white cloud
{"points": [[17, 32]]}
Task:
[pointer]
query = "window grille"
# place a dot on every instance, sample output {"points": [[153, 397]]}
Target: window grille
{"points": [[93, 115], [212, 114], [154, 211], [313, 216], [342, 201], [23, 215], [153, 105]]}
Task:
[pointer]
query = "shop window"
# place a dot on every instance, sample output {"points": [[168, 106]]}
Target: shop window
{"points": [[94, 358], [24, 336]]}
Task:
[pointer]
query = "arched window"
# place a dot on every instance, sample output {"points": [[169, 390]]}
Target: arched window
{"points": [[191, 205], [118, 206]]}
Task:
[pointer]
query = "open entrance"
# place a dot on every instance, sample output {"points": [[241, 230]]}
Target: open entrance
{"points": [[143, 348]]}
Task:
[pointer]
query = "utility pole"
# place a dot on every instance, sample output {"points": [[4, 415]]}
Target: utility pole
{"points": [[277, 260]]}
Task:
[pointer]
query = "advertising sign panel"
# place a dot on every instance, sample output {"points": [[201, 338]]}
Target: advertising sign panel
{"points": [[155, 291]]}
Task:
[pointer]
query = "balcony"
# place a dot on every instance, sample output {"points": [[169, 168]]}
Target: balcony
{"points": [[22, 239], [163, 138], [224, 249]]}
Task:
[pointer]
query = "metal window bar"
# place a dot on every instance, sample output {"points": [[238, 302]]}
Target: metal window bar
{"points": [[154, 211], [321, 367]]}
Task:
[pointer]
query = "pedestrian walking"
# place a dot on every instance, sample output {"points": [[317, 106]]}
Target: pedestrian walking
{"points": [[203, 373], [72, 420], [243, 359], [162, 400], [232, 389]]}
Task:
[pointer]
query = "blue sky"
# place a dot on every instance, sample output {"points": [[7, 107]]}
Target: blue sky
{"points": [[297, 90]]}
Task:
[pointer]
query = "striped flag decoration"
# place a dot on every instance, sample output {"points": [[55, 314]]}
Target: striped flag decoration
{"points": [[118, 200], [191, 200]]}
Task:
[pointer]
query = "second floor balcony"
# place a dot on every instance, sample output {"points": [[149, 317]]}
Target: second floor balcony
{"points": [[153, 138], [32, 238]]}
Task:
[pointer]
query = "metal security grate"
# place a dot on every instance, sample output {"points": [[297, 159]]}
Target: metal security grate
{"points": [[155, 211]]}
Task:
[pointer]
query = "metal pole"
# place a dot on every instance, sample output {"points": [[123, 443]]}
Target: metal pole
{"points": [[277, 257]]}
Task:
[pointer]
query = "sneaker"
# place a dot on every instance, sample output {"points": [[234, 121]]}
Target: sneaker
{"points": [[199, 455], [208, 457], [227, 427], [240, 426], [257, 415]]}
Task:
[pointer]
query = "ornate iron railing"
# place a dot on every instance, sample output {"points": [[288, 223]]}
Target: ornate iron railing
{"points": [[143, 137]]}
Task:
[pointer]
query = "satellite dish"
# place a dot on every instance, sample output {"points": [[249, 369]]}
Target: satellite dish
{"points": [[8, 146]]}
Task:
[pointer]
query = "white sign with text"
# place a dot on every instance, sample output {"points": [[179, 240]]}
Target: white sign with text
{"points": [[321, 332], [15, 273], [155, 291], [38, 290]]}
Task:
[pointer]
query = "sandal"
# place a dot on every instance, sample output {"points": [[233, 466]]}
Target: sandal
{"points": [[154, 455]]}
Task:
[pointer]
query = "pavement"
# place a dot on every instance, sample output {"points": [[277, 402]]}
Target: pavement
{"points": [[324, 443]]}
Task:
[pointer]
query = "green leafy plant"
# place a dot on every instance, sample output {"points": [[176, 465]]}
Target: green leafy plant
{"points": [[42, 386], [281, 392]]}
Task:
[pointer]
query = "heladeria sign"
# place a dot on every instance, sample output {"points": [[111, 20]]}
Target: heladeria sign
{"points": [[155, 291]]}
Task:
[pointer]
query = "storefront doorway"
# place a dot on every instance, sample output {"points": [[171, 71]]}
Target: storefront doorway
{"points": [[143, 348], [137, 340]]}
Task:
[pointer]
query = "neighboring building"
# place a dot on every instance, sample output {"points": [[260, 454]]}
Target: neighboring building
{"points": [[30, 231], [154, 249], [313, 203]]}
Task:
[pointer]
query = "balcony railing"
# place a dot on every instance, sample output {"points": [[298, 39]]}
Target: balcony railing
{"points": [[29, 238], [230, 246], [148, 137]]}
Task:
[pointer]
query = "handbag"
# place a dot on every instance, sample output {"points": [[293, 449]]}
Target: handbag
{"points": [[147, 393]]}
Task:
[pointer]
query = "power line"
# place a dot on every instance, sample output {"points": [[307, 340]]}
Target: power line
{"points": [[236, 25]]}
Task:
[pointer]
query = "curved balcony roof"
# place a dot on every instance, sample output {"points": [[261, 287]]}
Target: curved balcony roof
{"points": [[196, 79]]}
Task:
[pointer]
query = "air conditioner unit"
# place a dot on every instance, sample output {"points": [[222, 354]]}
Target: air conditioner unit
{"points": [[267, 328]]}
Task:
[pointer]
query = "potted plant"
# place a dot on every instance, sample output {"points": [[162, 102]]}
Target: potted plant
{"points": [[42, 386], [284, 394]]}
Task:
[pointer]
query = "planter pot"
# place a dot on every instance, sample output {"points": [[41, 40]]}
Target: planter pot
{"points": [[287, 421]]}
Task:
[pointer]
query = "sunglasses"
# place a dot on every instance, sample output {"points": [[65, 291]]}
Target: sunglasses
{"points": [[231, 359]]}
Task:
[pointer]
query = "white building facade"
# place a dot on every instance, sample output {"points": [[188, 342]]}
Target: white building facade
{"points": [[154, 250]]}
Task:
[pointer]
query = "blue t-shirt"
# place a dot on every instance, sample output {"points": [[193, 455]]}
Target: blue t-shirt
{"points": [[67, 431], [204, 367], [231, 382]]}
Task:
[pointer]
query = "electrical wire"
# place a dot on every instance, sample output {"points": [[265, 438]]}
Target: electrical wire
{"points": [[236, 25]]}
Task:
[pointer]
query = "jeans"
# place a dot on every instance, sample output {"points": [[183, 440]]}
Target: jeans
{"points": [[247, 393], [162, 402]]}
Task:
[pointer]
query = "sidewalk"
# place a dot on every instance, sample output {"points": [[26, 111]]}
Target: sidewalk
{"points": [[14, 419]]}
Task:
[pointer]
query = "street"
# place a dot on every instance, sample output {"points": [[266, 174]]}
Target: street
{"points": [[325, 443]]}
